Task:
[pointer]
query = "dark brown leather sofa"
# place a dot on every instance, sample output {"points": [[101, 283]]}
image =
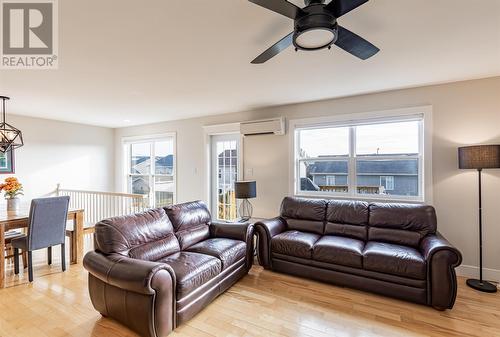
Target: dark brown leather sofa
{"points": [[155, 270], [390, 249]]}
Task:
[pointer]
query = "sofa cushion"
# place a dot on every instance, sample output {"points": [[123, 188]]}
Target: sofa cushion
{"points": [[294, 243], [190, 221], [394, 259], [227, 250], [192, 236], [304, 214], [126, 234], [339, 250], [192, 270], [347, 218], [155, 250], [417, 220], [188, 215]]}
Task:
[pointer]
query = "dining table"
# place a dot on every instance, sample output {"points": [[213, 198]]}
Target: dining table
{"points": [[19, 219]]}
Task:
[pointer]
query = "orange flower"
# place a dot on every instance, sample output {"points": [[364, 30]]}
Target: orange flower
{"points": [[12, 187]]}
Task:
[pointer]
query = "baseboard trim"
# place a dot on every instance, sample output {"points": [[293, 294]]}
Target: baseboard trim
{"points": [[473, 271]]}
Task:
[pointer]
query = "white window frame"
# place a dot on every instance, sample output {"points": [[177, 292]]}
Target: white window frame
{"points": [[126, 144], [218, 130], [215, 177], [329, 179], [423, 113], [387, 178]]}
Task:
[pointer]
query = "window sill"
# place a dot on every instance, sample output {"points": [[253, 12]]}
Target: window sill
{"points": [[361, 198]]}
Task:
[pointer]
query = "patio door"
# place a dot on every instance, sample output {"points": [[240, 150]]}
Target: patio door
{"points": [[224, 158]]}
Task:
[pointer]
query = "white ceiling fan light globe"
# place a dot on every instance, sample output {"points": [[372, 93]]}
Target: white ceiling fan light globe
{"points": [[315, 38]]}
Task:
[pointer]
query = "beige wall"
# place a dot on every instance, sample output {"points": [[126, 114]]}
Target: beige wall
{"points": [[463, 113], [75, 155]]}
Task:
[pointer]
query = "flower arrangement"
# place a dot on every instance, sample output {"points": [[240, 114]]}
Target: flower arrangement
{"points": [[12, 188]]}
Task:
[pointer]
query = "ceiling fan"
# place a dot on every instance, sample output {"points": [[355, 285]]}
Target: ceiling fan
{"points": [[316, 27]]}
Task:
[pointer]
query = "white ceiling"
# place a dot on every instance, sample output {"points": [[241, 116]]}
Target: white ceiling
{"points": [[157, 60]]}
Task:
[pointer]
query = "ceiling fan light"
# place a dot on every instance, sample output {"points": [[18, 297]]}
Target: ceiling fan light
{"points": [[314, 39]]}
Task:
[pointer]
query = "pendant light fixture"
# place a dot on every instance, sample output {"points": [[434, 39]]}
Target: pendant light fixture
{"points": [[10, 137]]}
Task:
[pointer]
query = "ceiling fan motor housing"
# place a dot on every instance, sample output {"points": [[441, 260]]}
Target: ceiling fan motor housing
{"points": [[315, 18]]}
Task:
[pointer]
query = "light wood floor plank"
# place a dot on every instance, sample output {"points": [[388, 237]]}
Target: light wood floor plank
{"points": [[262, 304]]}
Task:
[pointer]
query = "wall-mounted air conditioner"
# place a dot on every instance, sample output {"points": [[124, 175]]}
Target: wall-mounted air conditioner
{"points": [[264, 127]]}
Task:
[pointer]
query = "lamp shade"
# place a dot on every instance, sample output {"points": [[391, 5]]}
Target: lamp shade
{"points": [[245, 189], [479, 157]]}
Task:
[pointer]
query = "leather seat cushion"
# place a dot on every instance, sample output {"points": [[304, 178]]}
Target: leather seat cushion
{"points": [[294, 243], [227, 250], [192, 270], [394, 259], [339, 250]]}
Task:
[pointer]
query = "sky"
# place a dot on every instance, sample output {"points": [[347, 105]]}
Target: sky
{"points": [[388, 138], [162, 148]]}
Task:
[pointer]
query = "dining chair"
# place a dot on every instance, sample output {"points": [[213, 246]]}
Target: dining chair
{"points": [[46, 228], [9, 251]]}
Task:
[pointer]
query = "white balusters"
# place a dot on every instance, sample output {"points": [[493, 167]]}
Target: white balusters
{"points": [[102, 205]]}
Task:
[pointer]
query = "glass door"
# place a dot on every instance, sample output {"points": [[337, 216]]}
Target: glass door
{"points": [[225, 151]]}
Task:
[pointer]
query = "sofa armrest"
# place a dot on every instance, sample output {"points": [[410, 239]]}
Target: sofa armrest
{"points": [[139, 276], [236, 231], [442, 258], [121, 287], [266, 230], [230, 230]]}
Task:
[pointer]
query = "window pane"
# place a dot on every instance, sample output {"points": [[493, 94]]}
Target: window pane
{"points": [[390, 177], [139, 184], [164, 157], [227, 168], [140, 161], [390, 138], [164, 190], [324, 176], [324, 142]]}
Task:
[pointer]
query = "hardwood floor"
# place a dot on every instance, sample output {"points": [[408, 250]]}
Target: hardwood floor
{"points": [[262, 304]]}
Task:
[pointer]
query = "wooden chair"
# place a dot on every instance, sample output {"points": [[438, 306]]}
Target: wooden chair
{"points": [[9, 250], [70, 234]]}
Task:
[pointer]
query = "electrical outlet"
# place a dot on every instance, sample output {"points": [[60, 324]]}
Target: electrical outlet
{"points": [[249, 173]]}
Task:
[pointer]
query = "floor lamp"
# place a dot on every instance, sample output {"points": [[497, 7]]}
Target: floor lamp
{"points": [[480, 157]]}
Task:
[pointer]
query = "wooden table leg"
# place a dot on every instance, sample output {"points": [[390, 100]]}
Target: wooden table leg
{"points": [[78, 237], [2, 257]]}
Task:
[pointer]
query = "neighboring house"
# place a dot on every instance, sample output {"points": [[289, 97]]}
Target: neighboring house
{"points": [[142, 164], [396, 177], [228, 170], [163, 185]]}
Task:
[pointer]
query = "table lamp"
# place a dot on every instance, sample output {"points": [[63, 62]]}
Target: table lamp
{"points": [[245, 190], [480, 157]]}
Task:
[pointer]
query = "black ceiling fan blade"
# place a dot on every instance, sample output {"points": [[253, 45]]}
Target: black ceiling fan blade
{"points": [[341, 7], [282, 7], [355, 44], [274, 50]]}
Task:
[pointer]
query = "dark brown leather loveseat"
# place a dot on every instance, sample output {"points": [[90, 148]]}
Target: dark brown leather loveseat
{"points": [[390, 249], [154, 270]]}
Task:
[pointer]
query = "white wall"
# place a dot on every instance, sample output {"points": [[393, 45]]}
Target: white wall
{"points": [[75, 155], [463, 113]]}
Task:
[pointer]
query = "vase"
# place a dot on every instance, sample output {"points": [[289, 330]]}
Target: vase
{"points": [[13, 204]]}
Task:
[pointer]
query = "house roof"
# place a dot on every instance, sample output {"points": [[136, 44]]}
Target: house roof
{"points": [[140, 163], [404, 166]]}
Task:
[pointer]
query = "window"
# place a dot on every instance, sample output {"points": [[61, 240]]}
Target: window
{"points": [[224, 160], [387, 182], [330, 180], [375, 158], [151, 169]]}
